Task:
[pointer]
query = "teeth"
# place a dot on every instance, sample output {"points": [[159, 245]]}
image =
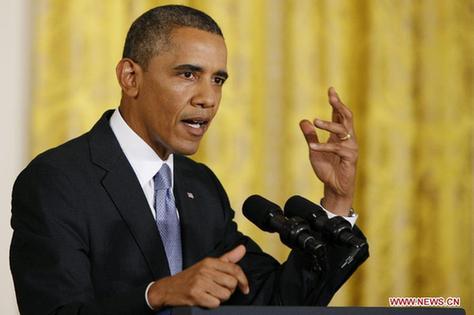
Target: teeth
{"points": [[196, 126], [194, 123]]}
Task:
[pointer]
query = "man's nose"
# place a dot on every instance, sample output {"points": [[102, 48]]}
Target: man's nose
{"points": [[206, 95]]}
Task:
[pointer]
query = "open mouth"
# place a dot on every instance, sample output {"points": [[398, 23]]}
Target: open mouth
{"points": [[195, 123]]}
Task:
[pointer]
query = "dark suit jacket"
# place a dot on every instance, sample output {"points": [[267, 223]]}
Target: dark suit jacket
{"points": [[85, 241]]}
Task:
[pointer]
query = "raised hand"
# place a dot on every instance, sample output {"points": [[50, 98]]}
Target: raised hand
{"points": [[208, 283], [335, 161]]}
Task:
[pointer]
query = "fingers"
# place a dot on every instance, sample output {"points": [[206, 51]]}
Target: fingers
{"points": [[211, 292], [222, 279], [234, 255], [341, 113], [334, 128], [225, 275], [230, 267], [309, 133], [217, 279], [341, 150], [338, 129], [207, 283], [342, 140], [205, 293]]}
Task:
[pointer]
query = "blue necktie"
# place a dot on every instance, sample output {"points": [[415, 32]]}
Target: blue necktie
{"points": [[167, 219]]}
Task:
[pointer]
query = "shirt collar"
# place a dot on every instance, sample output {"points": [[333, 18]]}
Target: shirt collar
{"points": [[143, 159]]}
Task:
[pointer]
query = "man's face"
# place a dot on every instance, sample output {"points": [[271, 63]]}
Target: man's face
{"points": [[180, 92]]}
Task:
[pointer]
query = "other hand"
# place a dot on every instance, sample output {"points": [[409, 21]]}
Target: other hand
{"points": [[208, 283], [335, 161]]}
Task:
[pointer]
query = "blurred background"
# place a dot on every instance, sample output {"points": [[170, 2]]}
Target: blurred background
{"points": [[405, 67]]}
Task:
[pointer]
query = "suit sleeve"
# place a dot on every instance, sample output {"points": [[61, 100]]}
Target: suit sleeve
{"points": [[296, 281], [49, 253]]}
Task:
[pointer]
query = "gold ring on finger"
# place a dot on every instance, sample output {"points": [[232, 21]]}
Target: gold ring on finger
{"points": [[346, 137]]}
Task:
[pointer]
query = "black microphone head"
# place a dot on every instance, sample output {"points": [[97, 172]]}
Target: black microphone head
{"points": [[298, 206], [259, 211]]}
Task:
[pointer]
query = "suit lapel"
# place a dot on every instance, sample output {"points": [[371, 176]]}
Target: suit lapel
{"points": [[125, 191], [190, 207], [123, 187]]}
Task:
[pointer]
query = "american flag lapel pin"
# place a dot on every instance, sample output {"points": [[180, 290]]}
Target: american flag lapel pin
{"points": [[190, 195]]}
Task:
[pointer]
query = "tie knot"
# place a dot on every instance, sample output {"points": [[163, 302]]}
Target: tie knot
{"points": [[163, 178]]}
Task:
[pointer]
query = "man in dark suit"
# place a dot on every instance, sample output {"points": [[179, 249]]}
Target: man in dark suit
{"points": [[90, 234]]}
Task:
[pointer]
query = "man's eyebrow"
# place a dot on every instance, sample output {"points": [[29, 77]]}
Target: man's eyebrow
{"points": [[188, 67], [194, 68]]}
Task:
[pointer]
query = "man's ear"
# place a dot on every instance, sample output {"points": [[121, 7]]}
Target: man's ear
{"points": [[129, 75]]}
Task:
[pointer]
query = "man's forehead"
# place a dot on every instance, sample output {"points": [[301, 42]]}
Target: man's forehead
{"points": [[183, 36], [195, 47]]}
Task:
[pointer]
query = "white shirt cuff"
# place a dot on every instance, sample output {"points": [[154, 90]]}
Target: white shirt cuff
{"points": [[352, 219], [146, 295]]}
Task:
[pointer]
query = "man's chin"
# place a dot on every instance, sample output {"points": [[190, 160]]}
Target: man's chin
{"points": [[187, 149]]}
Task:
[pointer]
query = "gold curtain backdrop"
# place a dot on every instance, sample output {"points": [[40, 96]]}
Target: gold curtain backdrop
{"points": [[404, 67]]}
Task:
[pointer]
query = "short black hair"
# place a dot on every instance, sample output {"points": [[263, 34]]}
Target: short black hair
{"points": [[151, 31]]}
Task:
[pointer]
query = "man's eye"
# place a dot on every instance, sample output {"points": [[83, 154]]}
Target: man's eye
{"points": [[188, 75], [219, 81]]}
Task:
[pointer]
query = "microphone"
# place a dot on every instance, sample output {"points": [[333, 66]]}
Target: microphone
{"points": [[294, 232], [336, 228]]}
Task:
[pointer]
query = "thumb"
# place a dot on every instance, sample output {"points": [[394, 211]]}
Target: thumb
{"points": [[234, 255], [309, 132]]}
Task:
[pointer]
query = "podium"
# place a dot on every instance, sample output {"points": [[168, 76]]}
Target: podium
{"points": [[304, 310]]}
